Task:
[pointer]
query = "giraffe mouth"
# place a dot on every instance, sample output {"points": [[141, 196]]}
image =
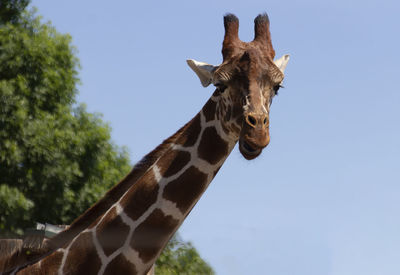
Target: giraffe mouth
{"points": [[248, 151]]}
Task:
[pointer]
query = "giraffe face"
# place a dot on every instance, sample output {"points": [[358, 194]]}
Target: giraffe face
{"points": [[246, 82]]}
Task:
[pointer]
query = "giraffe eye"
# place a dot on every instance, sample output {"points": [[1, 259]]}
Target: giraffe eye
{"points": [[276, 88], [221, 87]]}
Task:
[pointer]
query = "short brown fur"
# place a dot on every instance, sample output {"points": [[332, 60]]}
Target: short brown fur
{"points": [[183, 193], [152, 235], [112, 232]]}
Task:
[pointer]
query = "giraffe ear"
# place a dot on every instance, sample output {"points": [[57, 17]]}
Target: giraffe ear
{"points": [[282, 62], [203, 70]]}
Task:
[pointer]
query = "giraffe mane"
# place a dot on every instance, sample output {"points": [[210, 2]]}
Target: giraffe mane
{"points": [[9, 248], [18, 256]]}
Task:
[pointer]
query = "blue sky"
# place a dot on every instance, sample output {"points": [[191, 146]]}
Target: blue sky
{"points": [[324, 197]]}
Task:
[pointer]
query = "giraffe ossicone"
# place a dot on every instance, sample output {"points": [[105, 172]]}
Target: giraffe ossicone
{"points": [[126, 231]]}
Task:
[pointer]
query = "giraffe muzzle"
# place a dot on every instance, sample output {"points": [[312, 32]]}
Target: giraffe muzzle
{"points": [[253, 140], [250, 150]]}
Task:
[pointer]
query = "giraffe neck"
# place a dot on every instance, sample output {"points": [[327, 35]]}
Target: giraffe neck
{"points": [[131, 234], [112, 196], [20, 259]]}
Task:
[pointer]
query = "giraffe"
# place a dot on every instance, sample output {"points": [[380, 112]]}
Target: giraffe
{"points": [[126, 231]]}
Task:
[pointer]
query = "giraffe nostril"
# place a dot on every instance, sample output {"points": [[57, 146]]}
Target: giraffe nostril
{"points": [[251, 120], [265, 121]]}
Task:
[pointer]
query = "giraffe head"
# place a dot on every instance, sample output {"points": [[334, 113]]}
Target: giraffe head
{"points": [[246, 81]]}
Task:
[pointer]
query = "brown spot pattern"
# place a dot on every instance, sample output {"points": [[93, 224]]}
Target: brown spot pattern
{"points": [[209, 110], [51, 264], [95, 222], [224, 127], [112, 232], [228, 113], [237, 111], [190, 135], [235, 128], [120, 265], [216, 171], [82, 256], [239, 120], [152, 234], [212, 147], [173, 162], [186, 188], [141, 196], [114, 194]]}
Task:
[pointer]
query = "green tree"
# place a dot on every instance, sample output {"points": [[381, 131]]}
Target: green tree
{"points": [[56, 159], [181, 258], [11, 10]]}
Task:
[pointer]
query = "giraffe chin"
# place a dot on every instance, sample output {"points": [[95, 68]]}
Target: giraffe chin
{"points": [[248, 151]]}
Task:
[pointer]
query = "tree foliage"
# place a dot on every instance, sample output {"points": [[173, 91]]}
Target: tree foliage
{"points": [[10, 10], [55, 156], [56, 159], [181, 258]]}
